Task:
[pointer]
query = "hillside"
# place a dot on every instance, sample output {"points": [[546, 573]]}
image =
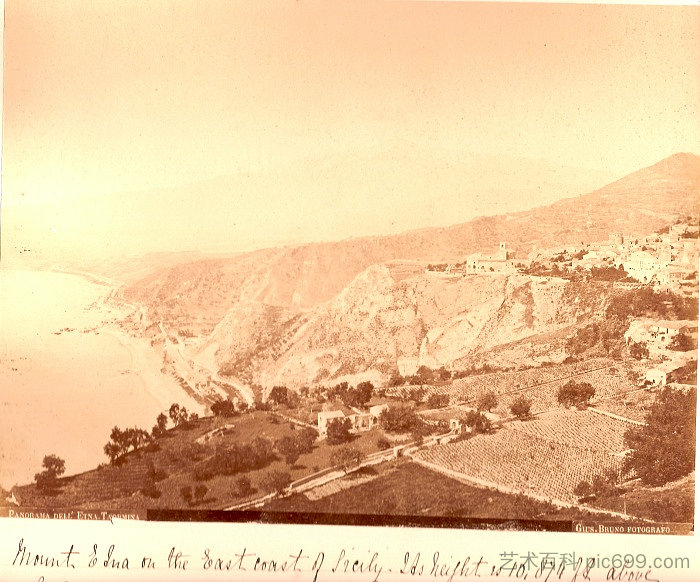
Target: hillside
{"points": [[307, 275], [377, 324], [324, 311]]}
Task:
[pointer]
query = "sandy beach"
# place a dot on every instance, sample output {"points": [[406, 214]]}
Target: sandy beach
{"points": [[68, 375]]}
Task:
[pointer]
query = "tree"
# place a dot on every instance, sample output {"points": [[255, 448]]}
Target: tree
{"points": [[425, 375], [358, 396], [682, 343], [223, 408], [639, 350], [289, 448], [438, 400], [278, 395], [338, 431], [487, 401], [186, 493], [477, 421], [396, 380], [399, 419], [305, 437], [575, 394], [159, 427], [276, 481], [346, 457], [47, 479], [520, 407], [663, 450]]}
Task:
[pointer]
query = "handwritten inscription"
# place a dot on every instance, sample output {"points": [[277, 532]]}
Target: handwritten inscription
{"points": [[341, 564]]}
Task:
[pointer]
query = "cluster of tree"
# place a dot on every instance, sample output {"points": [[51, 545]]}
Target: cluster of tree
{"points": [[639, 350], [194, 496], [646, 302], [607, 336], [686, 374], [359, 396], [236, 458], [400, 419], [47, 480], [122, 441], [576, 394], [663, 449], [438, 400], [224, 408], [180, 417], [300, 443], [609, 273], [682, 343], [423, 375], [605, 485], [477, 422], [438, 267]]}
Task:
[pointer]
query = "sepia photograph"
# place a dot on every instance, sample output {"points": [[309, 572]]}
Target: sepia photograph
{"points": [[421, 264]]}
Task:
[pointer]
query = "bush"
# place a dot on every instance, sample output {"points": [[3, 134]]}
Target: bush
{"points": [[151, 490], [383, 444], [186, 493], [243, 486]]}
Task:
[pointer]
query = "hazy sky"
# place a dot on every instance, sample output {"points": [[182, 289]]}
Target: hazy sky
{"points": [[313, 120]]}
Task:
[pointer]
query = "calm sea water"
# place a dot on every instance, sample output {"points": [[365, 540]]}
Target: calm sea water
{"points": [[62, 393]]}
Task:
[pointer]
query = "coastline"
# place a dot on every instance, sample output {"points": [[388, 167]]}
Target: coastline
{"points": [[69, 373]]}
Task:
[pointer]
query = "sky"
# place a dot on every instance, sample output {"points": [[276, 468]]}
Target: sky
{"points": [[133, 127]]}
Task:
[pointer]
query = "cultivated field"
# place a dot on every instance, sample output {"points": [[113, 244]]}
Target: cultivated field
{"points": [[523, 463]]}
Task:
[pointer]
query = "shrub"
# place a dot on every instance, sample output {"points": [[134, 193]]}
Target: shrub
{"points": [[243, 486], [383, 444]]}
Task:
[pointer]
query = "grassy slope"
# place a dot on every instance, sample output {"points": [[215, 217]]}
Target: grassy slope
{"points": [[118, 487]]}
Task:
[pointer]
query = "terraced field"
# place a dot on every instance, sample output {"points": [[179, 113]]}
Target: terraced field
{"points": [[575, 428], [523, 463], [539, 385]]}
